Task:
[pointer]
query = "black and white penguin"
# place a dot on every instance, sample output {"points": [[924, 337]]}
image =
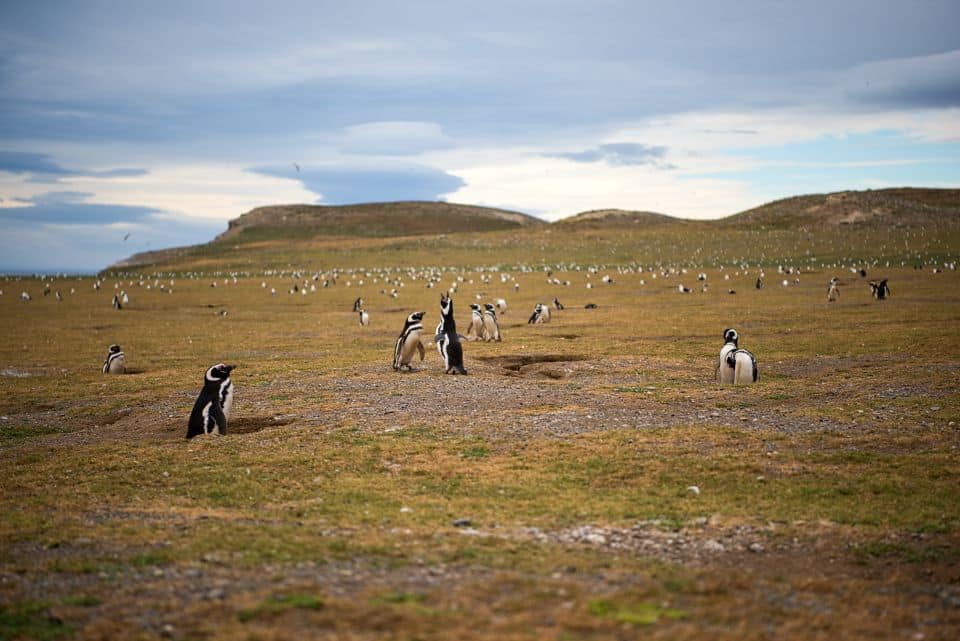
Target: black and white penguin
{"points": [[358, 304], [408, 342], [115, 363], [541, 314], [557, 304], [759, 283], [833, 291], [501, 306], [735, 366], [209, 415], [475, 330], [364, 317], [448, 341], [491, 328], [116, 302], [880, 289]]}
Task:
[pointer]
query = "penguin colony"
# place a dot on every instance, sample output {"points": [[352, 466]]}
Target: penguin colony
{"points": [[213, 406]]}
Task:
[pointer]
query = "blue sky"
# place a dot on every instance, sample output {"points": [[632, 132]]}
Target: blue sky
{"points": [[165, 120]]}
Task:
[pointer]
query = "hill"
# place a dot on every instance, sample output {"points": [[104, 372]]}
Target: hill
{"points": [[616, 218], [883, 208], [376, 220]]}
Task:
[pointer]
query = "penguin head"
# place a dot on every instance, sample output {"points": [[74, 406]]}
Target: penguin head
{"points": [[488, 306], [415, 317], [219, 372], [475, 307], [730, 336], [114, 348], [446, 304]]}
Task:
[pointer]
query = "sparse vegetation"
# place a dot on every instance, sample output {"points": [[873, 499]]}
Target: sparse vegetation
{"points": [[545, 495]]}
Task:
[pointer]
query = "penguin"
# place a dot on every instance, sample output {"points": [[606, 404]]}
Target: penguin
{"points": [[759, 284], [59, 296], [880, 289], [209, 415], [724, 372], [557, 304], [448, 341], [541, 314], [115, 363], [364, 317], [491, 328], [409, 342], [116, 302], [475, 330], [833, 292], [358, 305], [501, 306], [25, 296], [735, 366]]}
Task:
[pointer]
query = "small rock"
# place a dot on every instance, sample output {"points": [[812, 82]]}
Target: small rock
{"points": [[462, 523], [595, 538], [755, 547], [406, 510], [167, 631], [693, 489], [712, 545]]}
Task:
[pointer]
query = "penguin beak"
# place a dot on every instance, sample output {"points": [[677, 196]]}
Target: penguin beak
{"points": [[230, 368]]}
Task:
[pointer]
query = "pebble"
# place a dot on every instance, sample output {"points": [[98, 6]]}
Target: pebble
{"points": [[756, 547], [712, 545], [693, 489], [462, 523], [406, 510]]}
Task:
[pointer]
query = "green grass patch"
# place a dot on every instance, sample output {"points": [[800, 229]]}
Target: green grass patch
{"points": [[281, 603], [31, 620]]}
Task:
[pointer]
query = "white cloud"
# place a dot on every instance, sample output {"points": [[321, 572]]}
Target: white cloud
{"points": [[211, 191], [392, 138]]}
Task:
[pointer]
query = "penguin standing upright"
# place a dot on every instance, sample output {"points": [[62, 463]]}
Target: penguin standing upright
{"points": [[724, 371], [409, 342], [116, 363], [209, 415], [491, 328], [364, 317], [358, 304], [116, 302], [833, 292], [448, 341], [557, 304], [475, 330], [736, 366], [880, 289]]}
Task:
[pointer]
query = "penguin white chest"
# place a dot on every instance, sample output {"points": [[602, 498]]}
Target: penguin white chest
{"points": [[226, 397]]}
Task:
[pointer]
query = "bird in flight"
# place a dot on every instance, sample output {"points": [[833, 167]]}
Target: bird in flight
{"points": [[297, 167], [126, 237]]}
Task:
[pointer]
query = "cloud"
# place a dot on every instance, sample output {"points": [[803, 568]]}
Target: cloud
{"points": [[346, 184], [392, 138], [41, 168], [621, 153], [70, 208]]}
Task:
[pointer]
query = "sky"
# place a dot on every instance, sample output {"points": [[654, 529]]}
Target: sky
{"points": [[129, 126]]}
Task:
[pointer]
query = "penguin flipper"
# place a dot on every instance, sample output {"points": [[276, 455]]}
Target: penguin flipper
{"points": [[216, 413]]}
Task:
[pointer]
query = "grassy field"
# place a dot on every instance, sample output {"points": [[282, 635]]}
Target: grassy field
{"points": [[543, 496]]}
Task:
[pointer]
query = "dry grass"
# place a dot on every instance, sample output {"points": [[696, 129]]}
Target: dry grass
{"points": [[827, 507]]}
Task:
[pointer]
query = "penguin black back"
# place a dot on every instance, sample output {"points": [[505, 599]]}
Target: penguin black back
{"points": [[448, 342], [207, 416]]}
